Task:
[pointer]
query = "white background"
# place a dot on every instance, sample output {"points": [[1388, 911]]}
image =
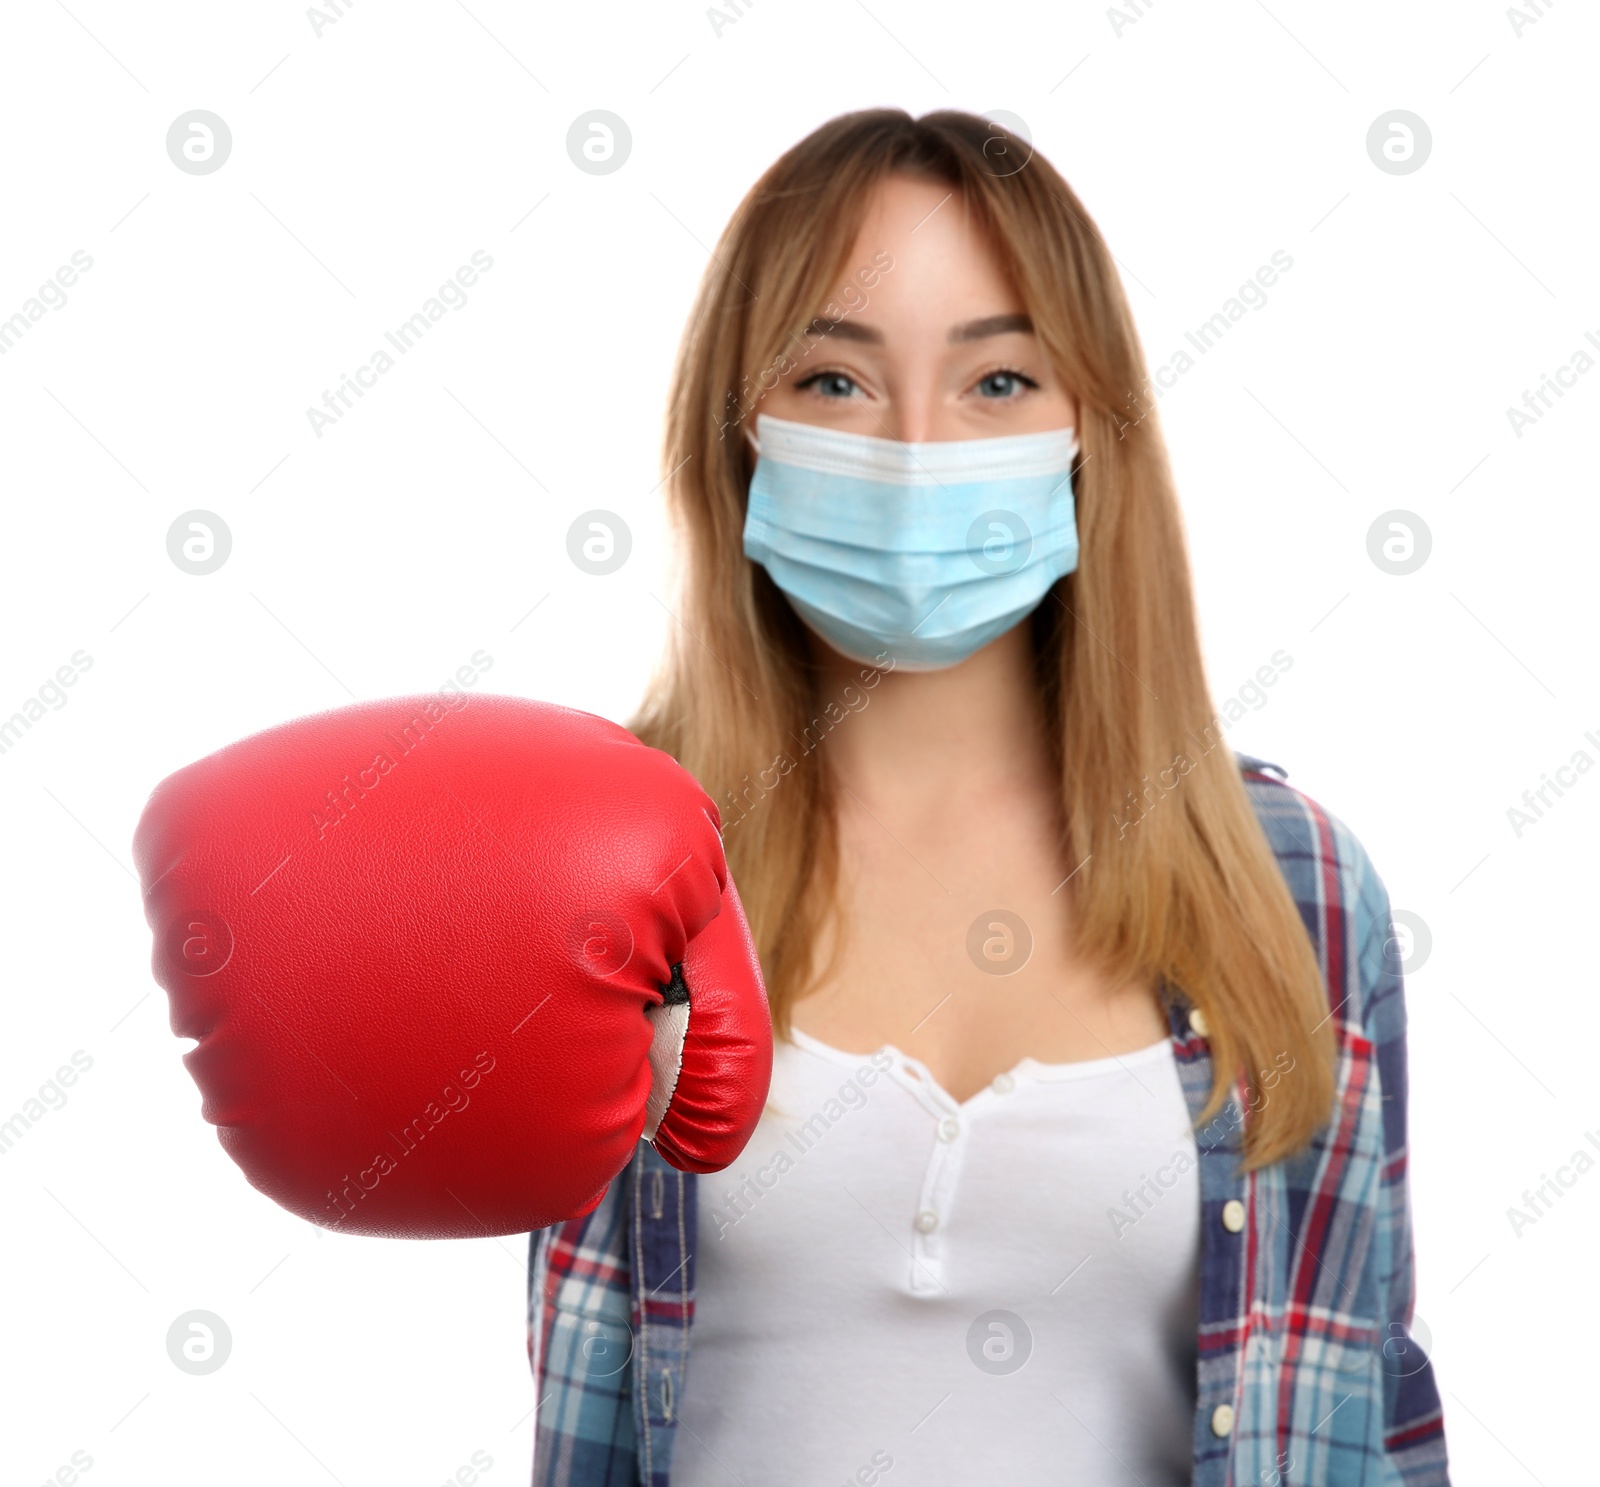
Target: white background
{"points": [[367, 165]]}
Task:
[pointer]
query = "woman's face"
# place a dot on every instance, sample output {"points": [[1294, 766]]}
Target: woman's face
{"points": [[938, 348]]}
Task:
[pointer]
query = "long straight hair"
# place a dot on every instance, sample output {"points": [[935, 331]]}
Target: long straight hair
{"points": [[1191, 894]]}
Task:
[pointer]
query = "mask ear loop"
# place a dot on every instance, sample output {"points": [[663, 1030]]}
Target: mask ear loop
{"points": [[754, 442]]}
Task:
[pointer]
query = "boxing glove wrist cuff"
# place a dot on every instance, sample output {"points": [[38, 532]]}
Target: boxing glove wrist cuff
{"points": [[669, 1027]]}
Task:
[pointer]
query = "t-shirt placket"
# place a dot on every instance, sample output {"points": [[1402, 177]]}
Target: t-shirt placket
{"points": [[940, 1178]]}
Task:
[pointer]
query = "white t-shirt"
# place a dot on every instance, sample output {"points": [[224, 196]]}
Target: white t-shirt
{"points": [[893, 1284]]}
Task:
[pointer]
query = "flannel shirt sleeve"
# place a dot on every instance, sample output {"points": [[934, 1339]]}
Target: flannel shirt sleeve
{"points": [[580, 1346], [1413, 1421]]}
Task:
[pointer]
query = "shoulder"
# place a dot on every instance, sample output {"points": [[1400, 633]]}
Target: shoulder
{"points": [[1343, 901]]}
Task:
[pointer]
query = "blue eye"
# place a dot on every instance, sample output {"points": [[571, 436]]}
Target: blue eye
{"points": [[1003, 383], [830, 384]]}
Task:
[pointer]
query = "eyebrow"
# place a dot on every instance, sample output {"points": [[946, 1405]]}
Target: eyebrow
{"points": [[991, 325], [971, 330]]}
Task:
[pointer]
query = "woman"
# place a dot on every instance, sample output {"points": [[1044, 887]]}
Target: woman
{"points": [[1084, 1159]]}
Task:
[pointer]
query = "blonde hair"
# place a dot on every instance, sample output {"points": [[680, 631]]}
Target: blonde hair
{"points": [[1193, 895]]}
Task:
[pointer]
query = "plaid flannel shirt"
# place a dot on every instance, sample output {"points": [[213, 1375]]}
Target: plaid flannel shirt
{"points": [[1307, 1372]]}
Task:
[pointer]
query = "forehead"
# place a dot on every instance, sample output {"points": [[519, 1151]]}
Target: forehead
{"points": [[942, 264]]}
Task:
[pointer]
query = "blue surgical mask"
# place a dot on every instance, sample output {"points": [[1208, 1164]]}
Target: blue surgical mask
{"points": [[924, 551]]}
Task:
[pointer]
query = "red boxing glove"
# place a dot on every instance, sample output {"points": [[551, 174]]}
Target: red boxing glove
{"points": [[448, 958]]}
